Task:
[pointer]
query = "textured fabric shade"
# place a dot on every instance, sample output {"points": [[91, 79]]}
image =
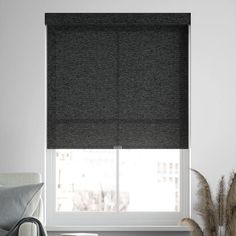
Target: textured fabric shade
{"points": [[115, 82]]}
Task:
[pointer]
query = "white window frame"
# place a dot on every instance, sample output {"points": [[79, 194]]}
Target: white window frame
{"points": [[115, 219]]}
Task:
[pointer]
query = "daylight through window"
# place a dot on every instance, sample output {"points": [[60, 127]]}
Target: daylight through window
{"points": [[107, 180]]}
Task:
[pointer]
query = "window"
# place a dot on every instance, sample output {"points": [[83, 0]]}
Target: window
{"points": [[117, 118], [110, 182], [119, 180]]}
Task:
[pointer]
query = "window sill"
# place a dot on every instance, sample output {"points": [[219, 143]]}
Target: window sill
{"points": [[119, 228]]}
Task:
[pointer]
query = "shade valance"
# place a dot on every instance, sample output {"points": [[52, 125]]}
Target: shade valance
{"points": [[116, 19]]}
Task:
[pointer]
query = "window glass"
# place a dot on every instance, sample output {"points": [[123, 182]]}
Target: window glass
{"points": [[124, 180], [85, 180], [147, 180]]}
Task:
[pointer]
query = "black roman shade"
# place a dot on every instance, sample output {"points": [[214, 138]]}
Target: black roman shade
{"points": [[117, 80]]}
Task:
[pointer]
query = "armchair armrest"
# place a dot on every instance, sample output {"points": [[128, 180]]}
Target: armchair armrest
{"points": [[28, 229]]}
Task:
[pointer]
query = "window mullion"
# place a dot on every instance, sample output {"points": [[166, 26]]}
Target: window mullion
{"points": [[117, 178]]}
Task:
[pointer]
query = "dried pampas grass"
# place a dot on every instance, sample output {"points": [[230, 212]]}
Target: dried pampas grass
{"points": [[196, 230], [205, 207], [220, 202], [231, 226], [230, 221], [220, 214]]}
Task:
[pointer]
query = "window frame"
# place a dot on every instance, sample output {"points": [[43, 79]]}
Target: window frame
{"points": [[115, 219]]}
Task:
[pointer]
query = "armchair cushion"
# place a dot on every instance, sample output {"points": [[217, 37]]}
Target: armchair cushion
{"points": [[18, 202], [3, 232]]}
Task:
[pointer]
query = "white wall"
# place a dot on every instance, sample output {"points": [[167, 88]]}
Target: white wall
{"points": [[213, 80]]}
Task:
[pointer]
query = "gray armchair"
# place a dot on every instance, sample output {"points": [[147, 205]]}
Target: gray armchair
{"points": [[15, 179]]}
